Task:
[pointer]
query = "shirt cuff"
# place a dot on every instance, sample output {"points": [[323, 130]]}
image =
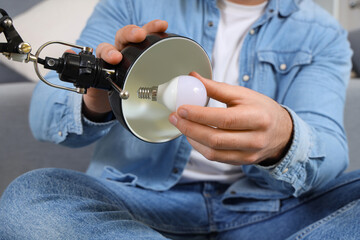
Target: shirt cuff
{"points": [[77, 129], [291, 168]]}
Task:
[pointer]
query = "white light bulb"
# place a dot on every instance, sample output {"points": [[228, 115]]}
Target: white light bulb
{"points": [[178, 91]]}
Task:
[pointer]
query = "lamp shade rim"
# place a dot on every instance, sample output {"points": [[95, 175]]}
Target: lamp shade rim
{"points": [[152, 133]]}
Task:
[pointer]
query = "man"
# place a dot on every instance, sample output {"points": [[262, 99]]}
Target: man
{"points": [[262, 161]]}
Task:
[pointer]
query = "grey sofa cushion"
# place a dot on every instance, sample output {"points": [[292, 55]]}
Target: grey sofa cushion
{"points": [[14, 8], [354, 38], [19, 151], [10, 76], [352, 123]]}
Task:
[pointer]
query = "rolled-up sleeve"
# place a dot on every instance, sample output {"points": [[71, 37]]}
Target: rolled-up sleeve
{"points": [[315, 101], [55, 115]]}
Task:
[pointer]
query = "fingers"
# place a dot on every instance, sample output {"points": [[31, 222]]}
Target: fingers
{"points": [[253, 127], [233, 157], [111, 53], [135, 34], [156, 26], [223, 92], [221, 139], [108, 53], [244, 110], [70, 51], [128, 34], [239, 118]]}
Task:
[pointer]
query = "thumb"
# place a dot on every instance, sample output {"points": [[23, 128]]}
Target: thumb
{"points": [[70, 51], [222, 92]]}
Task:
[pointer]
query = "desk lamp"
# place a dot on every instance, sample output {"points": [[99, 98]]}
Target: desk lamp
{"points": [[149, 83]]}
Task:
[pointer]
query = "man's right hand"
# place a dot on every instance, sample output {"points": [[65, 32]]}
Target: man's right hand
{"points": [[96, 104]]}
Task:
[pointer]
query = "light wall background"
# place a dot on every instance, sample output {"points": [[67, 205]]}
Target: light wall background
{"points": [[348, 16], [39, 21]]}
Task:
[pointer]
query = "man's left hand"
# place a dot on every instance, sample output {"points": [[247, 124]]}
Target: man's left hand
{"points": [[252, 129]]}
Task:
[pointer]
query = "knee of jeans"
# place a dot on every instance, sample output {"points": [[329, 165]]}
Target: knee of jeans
{"points": [[30, 184], [22, 191]]}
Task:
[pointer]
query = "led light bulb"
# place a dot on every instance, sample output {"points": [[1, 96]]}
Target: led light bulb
{"points": [[178, 91]]}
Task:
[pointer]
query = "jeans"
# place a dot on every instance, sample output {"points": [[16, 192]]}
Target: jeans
{"points": [[64, 204]]}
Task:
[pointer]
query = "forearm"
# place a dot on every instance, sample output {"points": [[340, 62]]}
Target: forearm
{"points": [[316, 156], [315, 98], [96, 106], [55, 116]]}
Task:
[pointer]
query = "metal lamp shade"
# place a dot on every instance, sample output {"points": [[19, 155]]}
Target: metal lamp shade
{"points": [[157, 60]]}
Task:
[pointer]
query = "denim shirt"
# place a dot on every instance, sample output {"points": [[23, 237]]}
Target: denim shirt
{"points": [[296, 53]]}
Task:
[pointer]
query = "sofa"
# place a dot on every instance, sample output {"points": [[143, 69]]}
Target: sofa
{"points": [[20, 152]]}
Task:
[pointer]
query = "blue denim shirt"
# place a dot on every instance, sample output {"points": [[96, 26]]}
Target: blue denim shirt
{"points": [[297, 54]]}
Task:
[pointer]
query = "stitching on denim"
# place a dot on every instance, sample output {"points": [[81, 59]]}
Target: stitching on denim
{"points": [[281, 52], [317, 224], [253, 220], [295, 18], [186, 229], [318, 194], [326, 190], [264, 217]]}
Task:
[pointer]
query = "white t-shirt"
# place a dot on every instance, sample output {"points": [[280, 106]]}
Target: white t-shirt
{"points": [[235, 22]]}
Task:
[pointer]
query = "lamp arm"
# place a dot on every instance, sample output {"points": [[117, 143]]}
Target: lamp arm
{"points": [[83, 70]]}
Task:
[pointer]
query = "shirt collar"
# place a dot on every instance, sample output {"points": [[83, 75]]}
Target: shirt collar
{"points": [[284, 7]]}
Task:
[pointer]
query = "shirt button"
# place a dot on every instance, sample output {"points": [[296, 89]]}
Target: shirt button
{"points": [[283, 67], [285, 170], [175, 170], [246, 78], [60, 133], [252, 32], [210, 23]]}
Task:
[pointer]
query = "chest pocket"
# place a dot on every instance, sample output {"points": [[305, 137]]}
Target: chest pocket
{"points": [[284, 62]]}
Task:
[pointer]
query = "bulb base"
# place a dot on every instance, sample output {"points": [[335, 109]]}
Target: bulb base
{"points": [[148, 93]]}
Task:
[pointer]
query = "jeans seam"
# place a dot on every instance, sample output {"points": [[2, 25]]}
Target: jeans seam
{"points": [[209, 205], [314, 196], [238, 224], [115, 197], [179, 229], [328, 218], [281, 211], [326, 190]]}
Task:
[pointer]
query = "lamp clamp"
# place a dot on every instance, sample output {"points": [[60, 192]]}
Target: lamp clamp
{"points": [[15, 48], [83, 70], [152, 62]]}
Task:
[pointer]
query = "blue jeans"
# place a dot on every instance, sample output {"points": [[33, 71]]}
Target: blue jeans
{"points": [[64, 204]]}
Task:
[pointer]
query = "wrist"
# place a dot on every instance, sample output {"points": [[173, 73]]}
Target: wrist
{"points": [[287, 132], [96, 106], [96, 116]]}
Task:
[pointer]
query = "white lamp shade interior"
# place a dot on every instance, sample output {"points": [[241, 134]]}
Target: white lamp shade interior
{"points": [[163, 61]]}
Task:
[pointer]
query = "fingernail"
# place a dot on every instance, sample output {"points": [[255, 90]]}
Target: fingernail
{"points": [[135, 30], [173, 120], [195, 74], [158, 22], [182, 113], [112, 53]]}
